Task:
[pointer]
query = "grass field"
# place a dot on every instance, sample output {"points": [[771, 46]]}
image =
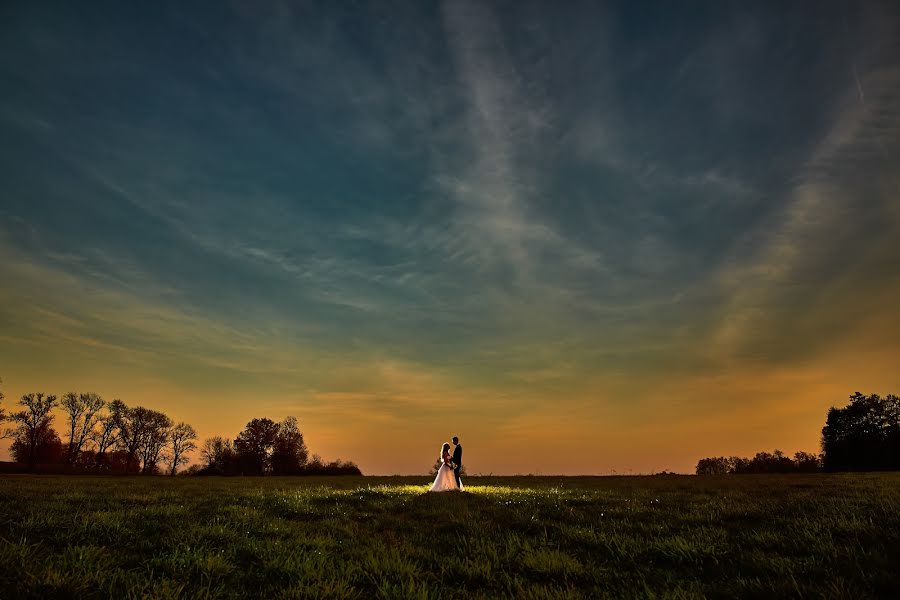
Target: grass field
{"points": [[369, 537]]}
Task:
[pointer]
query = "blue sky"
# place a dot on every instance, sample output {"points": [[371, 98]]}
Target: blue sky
{"points": [[581, 226]]}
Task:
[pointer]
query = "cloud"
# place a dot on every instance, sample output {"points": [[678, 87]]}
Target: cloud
{"points": [[799, 282]]}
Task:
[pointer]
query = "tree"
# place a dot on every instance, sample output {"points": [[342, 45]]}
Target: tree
{"points": [[254, 446], [115, 460], [289, 453], [142, 434], [129, 430], [192, 470], [739, 465], [154, 438], [181, 442], [714, 466], [105, 436], [33, 423], [218, 455], [315, 465], [344, 467], [40, 447], [864, 435], [4, 433], [775, 462], [2, 411], [762, 462], [83, 412], [806, 462]]}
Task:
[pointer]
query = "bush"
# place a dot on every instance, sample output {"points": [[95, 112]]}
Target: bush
{"points": [[763, 462]]}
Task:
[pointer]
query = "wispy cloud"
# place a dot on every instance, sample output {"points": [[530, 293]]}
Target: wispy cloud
{"points": [[807, 273]]}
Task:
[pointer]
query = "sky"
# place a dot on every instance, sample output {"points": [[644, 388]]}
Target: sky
{"points": [[586, 238]]}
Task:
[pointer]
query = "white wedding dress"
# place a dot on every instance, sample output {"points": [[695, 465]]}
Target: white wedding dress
{"points": [[445, 480]]}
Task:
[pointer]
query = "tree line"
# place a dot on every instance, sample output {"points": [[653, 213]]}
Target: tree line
{"points": [[862, 436], [100, 435], [762, 462], [265, 447], [114, 437]]}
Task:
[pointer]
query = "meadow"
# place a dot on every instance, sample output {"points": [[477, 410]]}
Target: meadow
{"points": [[382, 537]]}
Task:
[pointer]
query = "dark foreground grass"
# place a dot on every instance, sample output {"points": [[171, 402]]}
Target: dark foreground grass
{"points": [[529, 537]]}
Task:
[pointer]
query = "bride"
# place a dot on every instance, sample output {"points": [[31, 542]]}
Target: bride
{"points": [[445, 481]]}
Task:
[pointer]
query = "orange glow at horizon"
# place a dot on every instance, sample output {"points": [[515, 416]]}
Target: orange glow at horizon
{"points": [[665, 424]]}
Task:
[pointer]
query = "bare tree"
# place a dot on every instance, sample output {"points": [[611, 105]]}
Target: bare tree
{"points": [[105, 436], [2, 413], [83, 411], [32, 421], [218, 454], [181, 442], [130, 425], [154, 439], [212, 449], [74, 410]]}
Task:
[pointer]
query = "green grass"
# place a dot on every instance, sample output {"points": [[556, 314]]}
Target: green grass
{"points": [[529, 537]]}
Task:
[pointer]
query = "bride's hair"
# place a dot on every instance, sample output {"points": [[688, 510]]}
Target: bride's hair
{"points": [[444, 448]]}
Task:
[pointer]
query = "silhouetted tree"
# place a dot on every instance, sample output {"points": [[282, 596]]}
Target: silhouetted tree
{"points": [[762, 462], [317, 466], [706, 466], [142, 434], [342, 467], [33, 424], [86, 459], [806, 462], [218, 456], [39, 446], [105, 436], [4, 433], [739, 465], [129, 431], [116, 460], [254, 446], [2, 411], [181, 442], [192, 470], [864, 435], [155, 436], [775, 462], [289, 453], [83, 412]]}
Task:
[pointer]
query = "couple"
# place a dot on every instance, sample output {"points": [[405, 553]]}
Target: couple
{"points": [[447, 479]]}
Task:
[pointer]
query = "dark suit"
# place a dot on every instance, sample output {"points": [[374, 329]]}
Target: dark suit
{"points": [[457, 460]]}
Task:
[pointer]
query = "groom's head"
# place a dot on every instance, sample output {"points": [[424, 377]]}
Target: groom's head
{"points": [[455, 441]]}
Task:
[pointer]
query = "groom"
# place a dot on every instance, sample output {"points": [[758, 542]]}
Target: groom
{"points": [[457, 459]]}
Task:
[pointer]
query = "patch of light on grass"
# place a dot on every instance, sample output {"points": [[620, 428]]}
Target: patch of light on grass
{"points": [[503, 490], [394, 489]]}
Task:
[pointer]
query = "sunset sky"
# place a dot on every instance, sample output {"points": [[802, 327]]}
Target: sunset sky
{"points": [[585, 238]]}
